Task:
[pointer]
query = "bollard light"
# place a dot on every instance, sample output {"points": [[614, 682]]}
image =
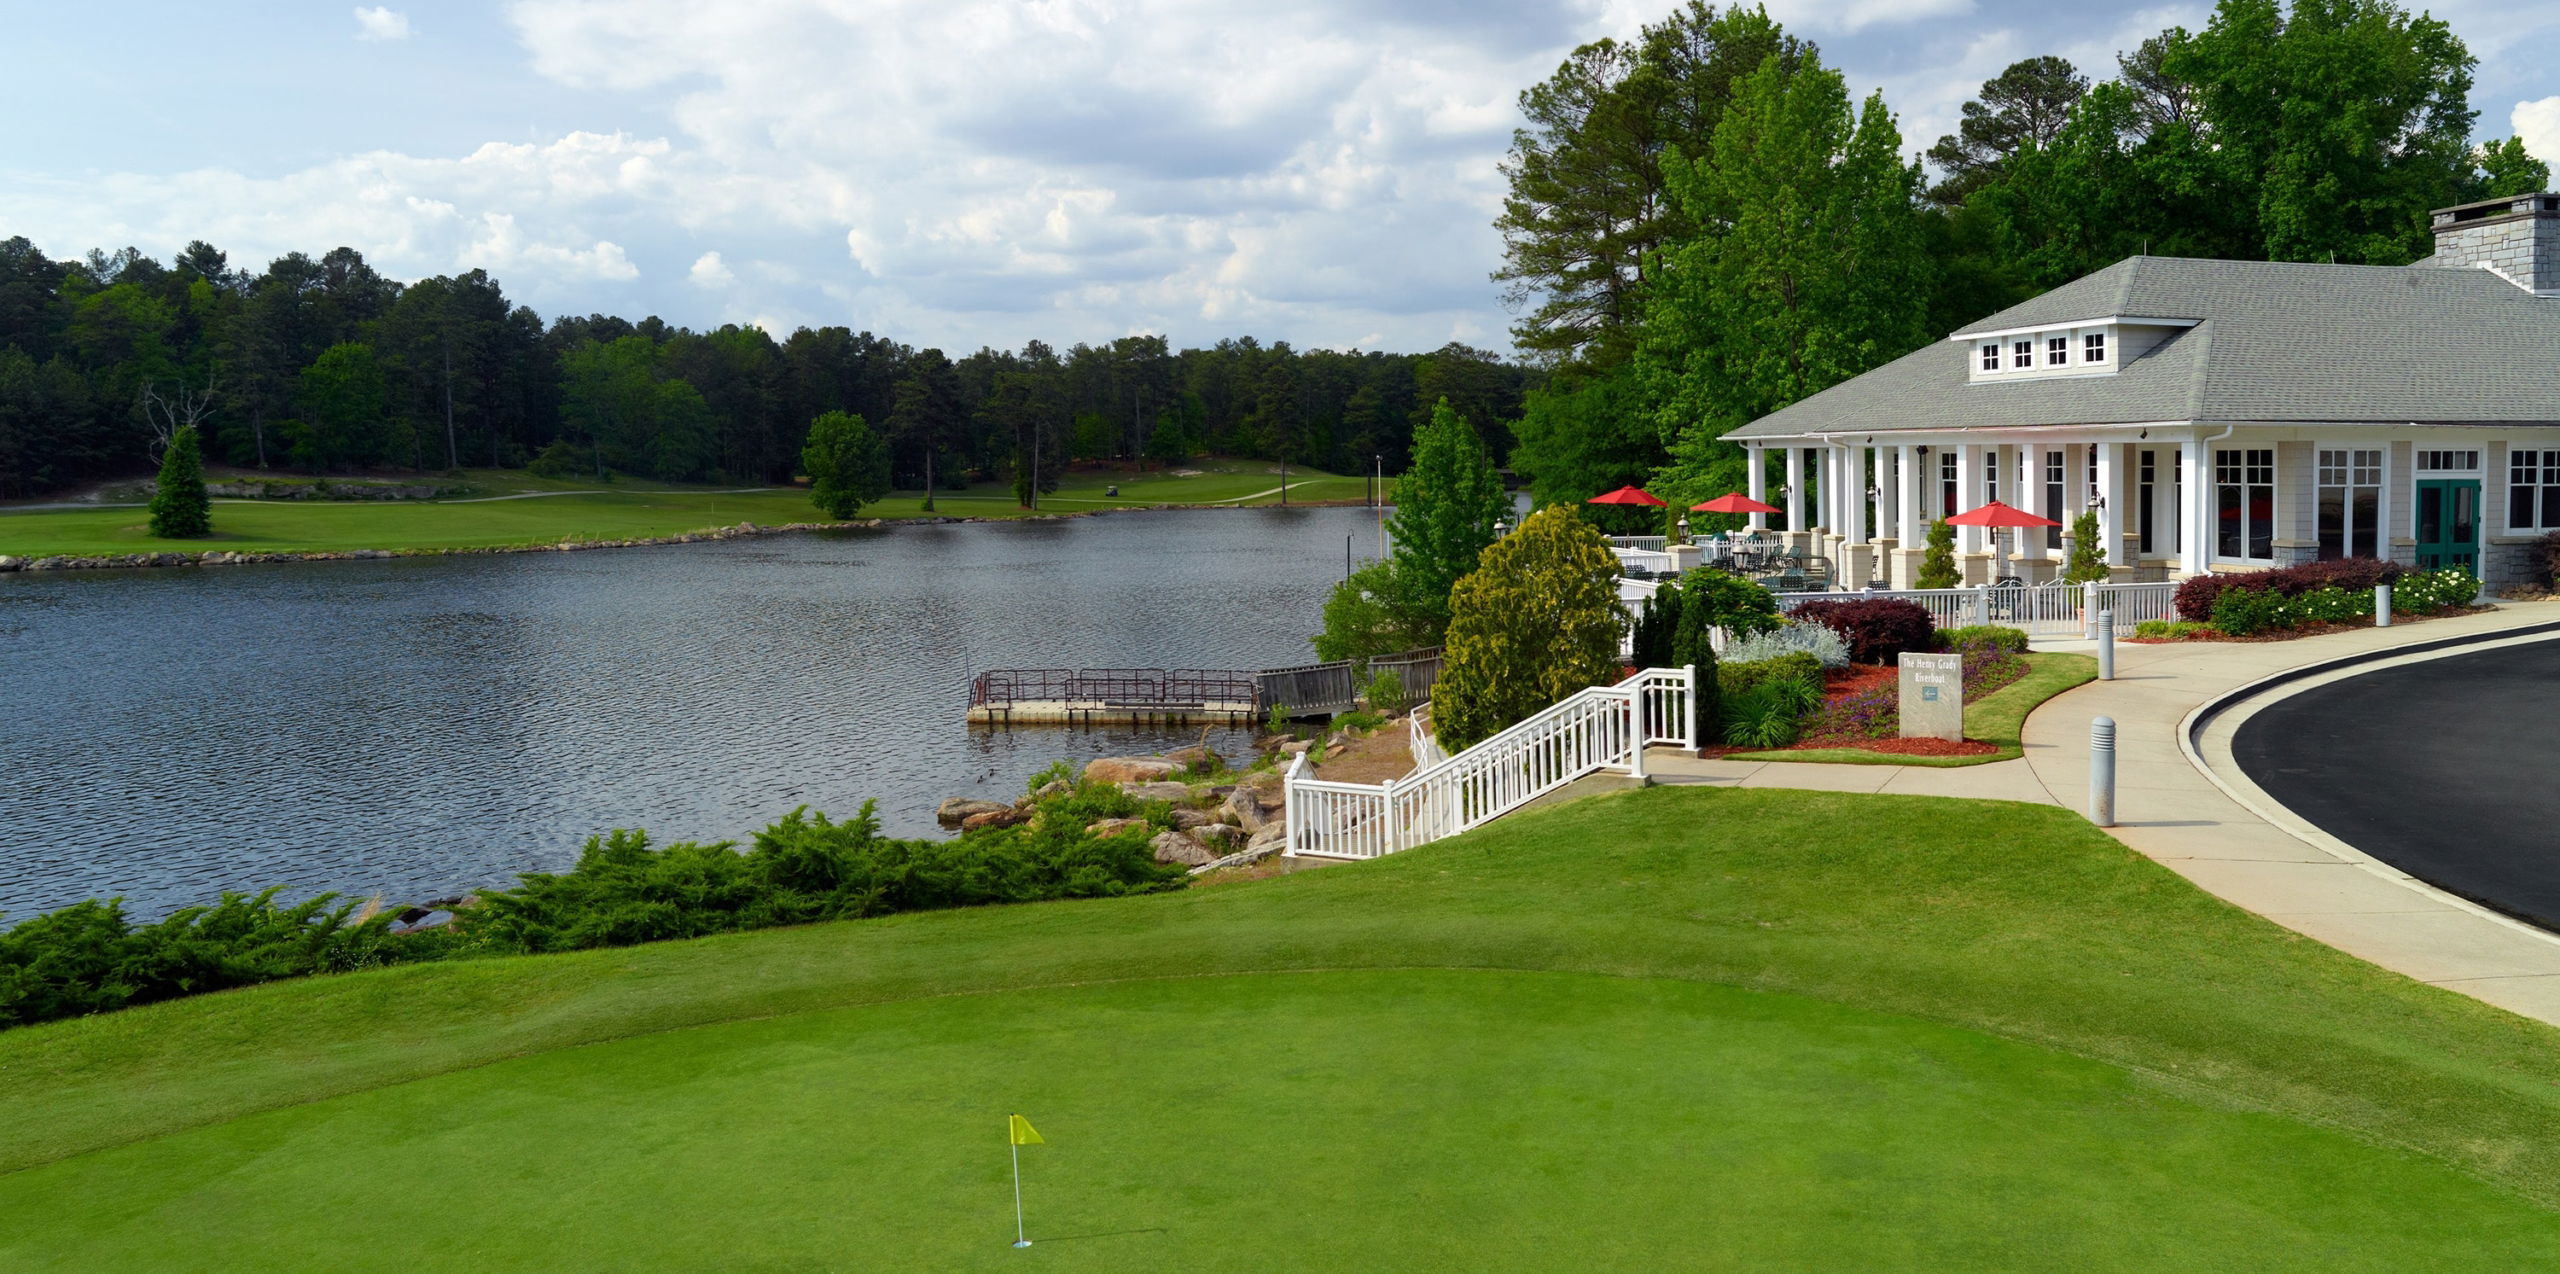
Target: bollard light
{"points": [[2106, 645], [2102, 771], [2382, 605]]}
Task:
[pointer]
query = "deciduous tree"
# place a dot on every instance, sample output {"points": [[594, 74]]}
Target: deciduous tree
{"points": [[847, 464]]}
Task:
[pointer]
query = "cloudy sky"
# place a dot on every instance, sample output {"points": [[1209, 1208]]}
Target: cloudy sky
{"points": [[951, 172]]}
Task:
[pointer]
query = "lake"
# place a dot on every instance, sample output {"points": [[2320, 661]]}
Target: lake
{"points": [[418, 726]]}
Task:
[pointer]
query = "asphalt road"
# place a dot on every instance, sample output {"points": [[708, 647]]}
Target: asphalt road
{"points": [[2448, 770]]}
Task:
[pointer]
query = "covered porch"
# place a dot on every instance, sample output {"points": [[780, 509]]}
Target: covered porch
{"points": [[2171, 500]]}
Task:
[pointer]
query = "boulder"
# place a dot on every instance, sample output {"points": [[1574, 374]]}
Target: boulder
{"points": [[1113, 826], [1000, 816], [1198, 754], [1218, 836], [1194, 820], [1245, 810], [8, 563], [1054, 787], [1240, 858], [1271, 839], [1158, 791], [960, 808], [1293, 747], [1174, 847], [1130, 769]]}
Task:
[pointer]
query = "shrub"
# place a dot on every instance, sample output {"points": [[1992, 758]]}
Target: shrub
{"points": [[1386, 692], [2088, 561], [1735, 677], [1938, 559], [2247, 612], [2431, 592], [1995, 636], [1357, 723], [2196, 597], [2169, 629], [2330, 605], [89, 958], [1766, 717], [847, 462], [2543, 560], [1538, 620], [561, 459], [1877, 629], [1061, 771], [1732, 603], [1827, 648]]}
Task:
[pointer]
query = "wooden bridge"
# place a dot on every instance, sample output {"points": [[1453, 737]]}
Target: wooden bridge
{"points": [[1181, 696]]}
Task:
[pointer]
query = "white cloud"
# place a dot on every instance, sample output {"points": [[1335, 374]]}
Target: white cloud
{"points": [[381, 23], [710, 272], [2538, 123]]}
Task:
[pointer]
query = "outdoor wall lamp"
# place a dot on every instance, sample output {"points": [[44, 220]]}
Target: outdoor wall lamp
{"points": [[1920, 451], [1684, 526], [2097, 498], [1785, 490]]}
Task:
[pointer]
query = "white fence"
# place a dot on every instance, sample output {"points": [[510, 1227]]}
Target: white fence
{"points": [[1641, 543], [2043, 610], [1596, 729]]}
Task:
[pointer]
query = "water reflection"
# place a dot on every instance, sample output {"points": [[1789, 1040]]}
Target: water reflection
{"points": [[416, 726]]}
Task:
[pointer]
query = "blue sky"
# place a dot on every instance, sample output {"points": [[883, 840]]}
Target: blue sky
{"points": [[951, 172]]}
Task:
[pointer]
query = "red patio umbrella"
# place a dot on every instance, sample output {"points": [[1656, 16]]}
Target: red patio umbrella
{"points": [[1735, 502], [1627, 495], [1997, 515]]}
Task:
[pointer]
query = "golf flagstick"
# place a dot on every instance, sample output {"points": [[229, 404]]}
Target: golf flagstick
{"points": [[1018, 1130]]}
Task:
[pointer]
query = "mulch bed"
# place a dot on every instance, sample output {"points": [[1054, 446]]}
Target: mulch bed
{"points": [[1840, 684], [2290, 634], [1894, 747]]}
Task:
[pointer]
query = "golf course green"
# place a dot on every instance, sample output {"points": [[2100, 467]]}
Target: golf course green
{"points": [[1678, 1028], [513, 508]]}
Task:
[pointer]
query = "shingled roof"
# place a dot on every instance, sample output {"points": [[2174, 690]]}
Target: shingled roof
{"points": [[2273, 341]]}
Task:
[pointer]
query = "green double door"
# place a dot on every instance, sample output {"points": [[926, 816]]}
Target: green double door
{"points": [[2448, 524]]}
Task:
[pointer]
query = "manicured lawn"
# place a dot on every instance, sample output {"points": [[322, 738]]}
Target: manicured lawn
{"points": [[1681, 1028], [1999, 717], [629, 509]]}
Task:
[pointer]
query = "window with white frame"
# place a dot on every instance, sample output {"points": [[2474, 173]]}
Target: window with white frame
{"points": [[2057, 351], [2350, 502], [1949, 492], [2533, 490], [2448, 462], [1991, 357], [2244, 491], [2093, 348], [2022, 354]]}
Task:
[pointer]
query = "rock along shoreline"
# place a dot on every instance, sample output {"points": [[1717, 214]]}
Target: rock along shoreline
{"points": [[743, 530]]}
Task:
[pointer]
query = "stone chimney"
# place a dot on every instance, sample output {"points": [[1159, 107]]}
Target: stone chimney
{"points": [[2518, 236]]}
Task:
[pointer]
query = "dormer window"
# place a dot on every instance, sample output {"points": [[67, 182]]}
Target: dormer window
{"points": [[2057, 351], [1991, 357], [2022, 355], [2093, 348]]}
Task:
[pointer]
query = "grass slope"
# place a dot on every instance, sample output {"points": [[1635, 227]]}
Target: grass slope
{"points": [[1679, 1028], [1999, 717], [553, 511]]}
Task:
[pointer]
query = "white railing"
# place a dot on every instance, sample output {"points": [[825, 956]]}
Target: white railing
{"points": [[2043, 610], [1641, 543], [1421, 741], [1594, 729]]}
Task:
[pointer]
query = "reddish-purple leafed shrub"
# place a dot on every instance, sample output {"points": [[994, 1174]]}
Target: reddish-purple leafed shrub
{"points": [[1876, 629], [2355, 574]]}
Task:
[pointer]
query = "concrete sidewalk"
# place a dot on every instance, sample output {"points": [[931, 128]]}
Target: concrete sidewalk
{"points": [[2204, 820]]}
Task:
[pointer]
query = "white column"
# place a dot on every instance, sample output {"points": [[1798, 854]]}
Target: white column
{"points": [[1968, 494], [1854, 493], [2111, 515], [1835, 468], [2075, 484], [1795, 488], [1758, 460], [2195, 507], [1910, 491]]}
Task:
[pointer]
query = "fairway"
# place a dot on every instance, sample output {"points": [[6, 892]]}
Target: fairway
{"points": [[531, 511], [1673, 1029]]}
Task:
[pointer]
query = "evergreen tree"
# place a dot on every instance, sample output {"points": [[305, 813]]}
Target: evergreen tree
{"points": [[1537, 621], [1814, 269], [847, 464], [180, 509], [2024, 108], [1938, 560], [1446, 506], [2088, 561]]}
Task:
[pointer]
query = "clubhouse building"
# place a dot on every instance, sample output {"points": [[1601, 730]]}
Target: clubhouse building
{"points": [[2217, 415]]}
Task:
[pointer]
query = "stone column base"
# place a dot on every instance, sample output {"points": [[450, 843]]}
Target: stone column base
{"points": [[1974, 568], [1857, 565], [1904, 567]]}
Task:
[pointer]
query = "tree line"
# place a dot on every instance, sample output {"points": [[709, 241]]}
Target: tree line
{"points": [[1702, 225], [323, 365]]}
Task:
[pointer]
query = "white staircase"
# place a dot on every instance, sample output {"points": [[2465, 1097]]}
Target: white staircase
{"points": [[1602, 728]]}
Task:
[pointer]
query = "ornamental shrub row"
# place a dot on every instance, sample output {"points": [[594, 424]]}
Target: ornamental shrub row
{"points": [[1877, 629], [2247, 612], [1999, 637], [91, 957], [2196, 597]]}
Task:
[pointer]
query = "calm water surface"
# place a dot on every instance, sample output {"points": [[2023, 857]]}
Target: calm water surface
{"points": [[418, 726]]}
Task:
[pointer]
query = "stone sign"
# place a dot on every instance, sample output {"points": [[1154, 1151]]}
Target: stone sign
{"points": [[1932, 696]]}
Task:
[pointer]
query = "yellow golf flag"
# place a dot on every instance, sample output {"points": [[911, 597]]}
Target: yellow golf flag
{"points": [[1023, 1134]]}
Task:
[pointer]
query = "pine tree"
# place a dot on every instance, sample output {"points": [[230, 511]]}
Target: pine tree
{"points": [[1447, 503], [1693, 645], [180, 509], [1938, 561]]}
